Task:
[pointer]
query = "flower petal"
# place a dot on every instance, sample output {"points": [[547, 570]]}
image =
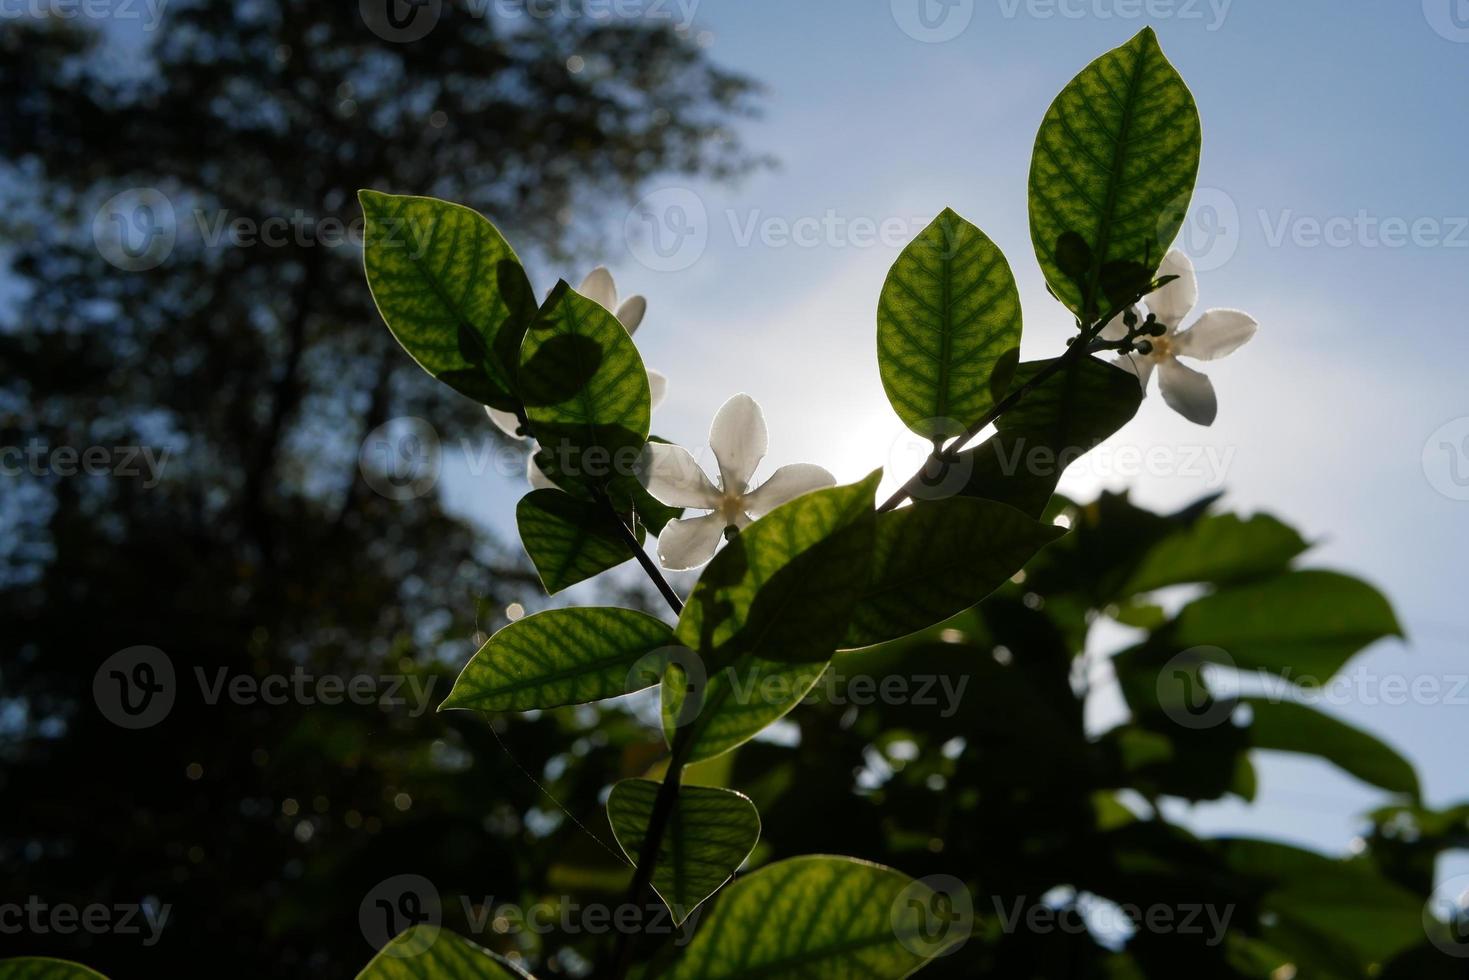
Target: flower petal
{"points": [[786, 483], [631, 312], [506, 422], [1217, 333], [1174, 301], [674, 478], [536, 476], [1138, 366], [1187, 392], [657, 387], [1117, 328], [599, 288], [690, 542], [739, 440]]}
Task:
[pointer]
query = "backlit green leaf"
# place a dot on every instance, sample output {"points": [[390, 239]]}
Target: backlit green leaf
{"points": [[948, 328], [568, 539], [558, 657], [1113, 171], [585, 391], [937, 558], [1220, 549], [431, 953], [1288, 727], [710, 832], [816, 918], [450, 289], [1303, 625], [45, 968]]}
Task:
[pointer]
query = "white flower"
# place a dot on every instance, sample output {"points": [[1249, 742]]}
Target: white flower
{"points": [[739, 440], [1216, 333], [600, 289]]}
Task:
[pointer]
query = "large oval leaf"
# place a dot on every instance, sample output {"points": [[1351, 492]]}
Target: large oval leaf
{"points": [[937, 558], [1288, 727], [948, 328], [585, 391], [569, 540], [559, 657], [430, 953], [45, 968], [450, 289], [1114, 168], [767, 615], [813, 918], [710, 833]]}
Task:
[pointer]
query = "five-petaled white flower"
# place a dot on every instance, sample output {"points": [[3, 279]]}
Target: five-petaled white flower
{"points": [[739, 440], [1216, 333], [598, 287]]}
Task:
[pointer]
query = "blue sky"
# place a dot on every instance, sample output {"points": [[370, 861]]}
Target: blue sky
{"points": [[1333, 208]]}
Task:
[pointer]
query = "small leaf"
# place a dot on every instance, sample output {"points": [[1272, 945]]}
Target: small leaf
{"points": [[431, 953], [937, 558], [45, 968], [1288, 727], [815, 918], [1303, 625], [450, 289], [585, 391], [1219, 549], [1114, 167], [1056, 423], [559, 657], [948, 328], [569, 540], [710, 833], [768, 613]]}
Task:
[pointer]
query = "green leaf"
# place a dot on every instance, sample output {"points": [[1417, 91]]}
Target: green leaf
{"points": [[710, 833], [1058, 421], [45, 968], [1219, 549], [1303, 625], [450, 289], [948, 328], [569, 540], [1114, 167], [559, 657], [937, 558], [430, 953], [1288, 727], [585, 391], [814, 918], [732, 703]]}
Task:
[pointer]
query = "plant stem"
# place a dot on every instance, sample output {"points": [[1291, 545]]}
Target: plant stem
{"points": [[644, 559]]}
